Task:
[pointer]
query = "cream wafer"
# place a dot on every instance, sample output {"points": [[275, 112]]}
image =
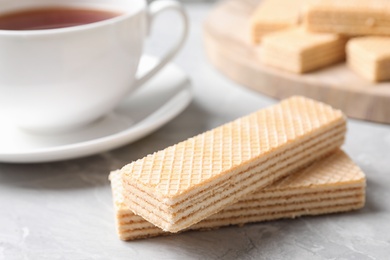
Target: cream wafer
{"points": [[333, 184], [370, 57], [187, 182], [349, 17], [275, 15], [299, 51]]}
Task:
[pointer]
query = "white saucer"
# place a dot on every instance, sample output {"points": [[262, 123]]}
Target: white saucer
{"points": [[163, 98]]}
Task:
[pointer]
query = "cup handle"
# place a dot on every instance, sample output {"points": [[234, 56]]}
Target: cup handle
{"points": [[154, 9]]}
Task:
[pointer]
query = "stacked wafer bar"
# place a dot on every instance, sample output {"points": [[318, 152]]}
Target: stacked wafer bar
{"points": [[370, 57], [334, 22], [333, 184], [185, 183], [304, 52], [286, 46], [349, 17], [275, 15]]}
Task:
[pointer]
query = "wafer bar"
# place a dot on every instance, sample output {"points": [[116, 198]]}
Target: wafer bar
{"points": [[187, 182], [370, 57], [333, 184], [299, 51], [349, 17], [275, 15]]}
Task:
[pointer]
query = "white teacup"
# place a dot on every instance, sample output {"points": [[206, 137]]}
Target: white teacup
{"points": [[59, 79]]}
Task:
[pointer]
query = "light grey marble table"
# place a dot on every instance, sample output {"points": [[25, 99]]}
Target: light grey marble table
{"points": [[64, 210]]}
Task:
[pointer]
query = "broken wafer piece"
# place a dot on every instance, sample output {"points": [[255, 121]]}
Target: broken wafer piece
{"points": [[275, 15], [187, 182], [299, 51], [349, 17], [330, 185], [370, 57]]}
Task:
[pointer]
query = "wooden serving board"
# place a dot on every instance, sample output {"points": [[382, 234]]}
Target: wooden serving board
{"points": [[227, 44]]}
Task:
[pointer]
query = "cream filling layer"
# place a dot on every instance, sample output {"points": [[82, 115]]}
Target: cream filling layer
{"points": [[279, 213], [126, 216]]}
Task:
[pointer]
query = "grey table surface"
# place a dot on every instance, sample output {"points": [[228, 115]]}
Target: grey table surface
{"points": [[64, 210]]}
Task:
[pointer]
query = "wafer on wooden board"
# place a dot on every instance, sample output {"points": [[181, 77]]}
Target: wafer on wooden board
{"points": [[275, 15], [187, 182], [349, 17], [332, 184], [299, 51], [370, 57]]}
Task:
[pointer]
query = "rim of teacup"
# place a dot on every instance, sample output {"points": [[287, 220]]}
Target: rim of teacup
{"points": [[133, 10]]}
